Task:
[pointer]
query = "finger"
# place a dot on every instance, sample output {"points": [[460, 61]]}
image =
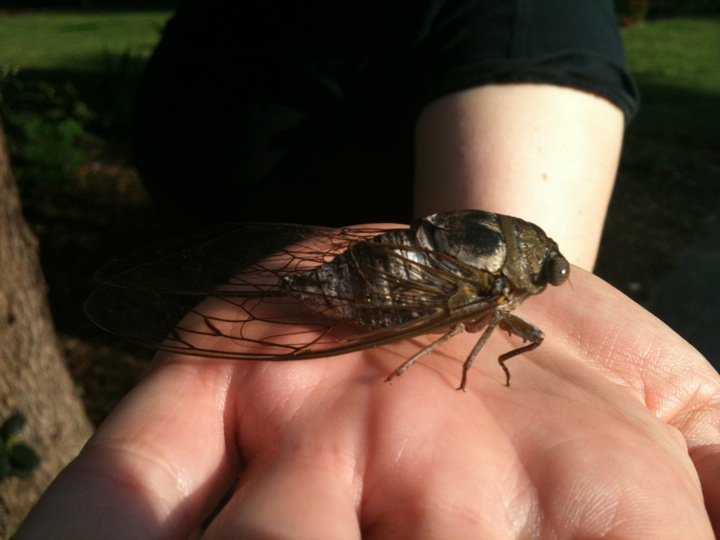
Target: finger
{"points": [[435, 461], [292, 497], [155, 467]]}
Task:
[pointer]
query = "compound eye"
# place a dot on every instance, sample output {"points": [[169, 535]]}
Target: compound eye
{"points": [[557, 269]]}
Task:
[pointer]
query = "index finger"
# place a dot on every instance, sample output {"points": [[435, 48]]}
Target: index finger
{"points": [[156, 467]]}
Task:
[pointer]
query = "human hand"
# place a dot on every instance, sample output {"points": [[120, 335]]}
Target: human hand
{"points": [[611, 427]]}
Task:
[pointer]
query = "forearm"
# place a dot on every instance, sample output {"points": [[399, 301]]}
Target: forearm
{"points": [[544, 153]]}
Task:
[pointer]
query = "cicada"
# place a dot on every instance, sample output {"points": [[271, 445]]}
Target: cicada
{"points": [[268, 291]]}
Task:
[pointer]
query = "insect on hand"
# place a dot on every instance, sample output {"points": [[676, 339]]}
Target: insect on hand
{"points": [[268, 291]]}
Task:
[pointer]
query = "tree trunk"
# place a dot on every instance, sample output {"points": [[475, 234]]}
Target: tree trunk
{"points": [[33, 378]]}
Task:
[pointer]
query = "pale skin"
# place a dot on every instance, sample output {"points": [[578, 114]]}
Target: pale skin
{"points": [[610, 428]]}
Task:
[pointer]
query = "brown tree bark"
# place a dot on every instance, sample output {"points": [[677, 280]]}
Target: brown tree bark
{"points": [[33, 377]]}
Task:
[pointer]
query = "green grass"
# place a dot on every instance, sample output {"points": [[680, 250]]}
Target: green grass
{"points": [[684, 52], [76, 41], [676, 65]]}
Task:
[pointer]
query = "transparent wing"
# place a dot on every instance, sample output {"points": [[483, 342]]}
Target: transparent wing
{"points": [[218, 295]]}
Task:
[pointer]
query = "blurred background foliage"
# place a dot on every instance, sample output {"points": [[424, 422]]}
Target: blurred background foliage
{"points": [[44, 123], [65, 77]]}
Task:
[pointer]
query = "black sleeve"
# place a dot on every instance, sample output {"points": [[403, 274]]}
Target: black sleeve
{"points": [[575, 43]]}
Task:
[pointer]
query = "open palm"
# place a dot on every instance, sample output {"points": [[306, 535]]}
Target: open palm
{"points": [[610, 428]]}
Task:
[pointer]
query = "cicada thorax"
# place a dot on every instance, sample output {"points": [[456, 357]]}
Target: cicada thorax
{"points": [[506, 245]]}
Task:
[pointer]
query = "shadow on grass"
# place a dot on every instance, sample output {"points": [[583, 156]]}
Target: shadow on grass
{"points": [[667, 197], [677, 114]]}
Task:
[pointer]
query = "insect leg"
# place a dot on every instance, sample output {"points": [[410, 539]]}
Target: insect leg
{"points": [[524, 329], [494, 320], [454, 331]]}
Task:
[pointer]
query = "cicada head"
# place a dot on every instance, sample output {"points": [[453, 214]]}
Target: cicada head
{"points": [[533, 259]]}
